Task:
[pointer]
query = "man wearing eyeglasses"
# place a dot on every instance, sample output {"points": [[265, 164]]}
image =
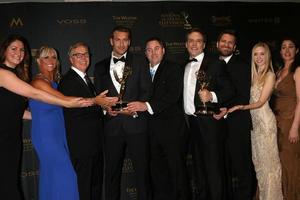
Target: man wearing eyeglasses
{"points": [[124, 129], [83, 125]]}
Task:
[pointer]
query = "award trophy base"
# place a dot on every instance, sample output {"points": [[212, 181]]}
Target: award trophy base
{"points": [[119, 106], [207, 109]]}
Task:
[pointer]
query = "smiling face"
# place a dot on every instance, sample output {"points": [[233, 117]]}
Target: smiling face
{"points": [[260, 57], [195, 44], [14, 54], [80, 58], [288, 51], [154, 52], [226, 45], [48, 61]]}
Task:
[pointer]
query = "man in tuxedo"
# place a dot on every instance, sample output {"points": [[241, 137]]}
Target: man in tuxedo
{"points": [[124, 129], [207, 133], [83, 125], [238, 141], [166, 125]]}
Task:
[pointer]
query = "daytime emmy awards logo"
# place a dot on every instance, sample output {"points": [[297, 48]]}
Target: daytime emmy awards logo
{"points": [[187, 25], [175, 20]]}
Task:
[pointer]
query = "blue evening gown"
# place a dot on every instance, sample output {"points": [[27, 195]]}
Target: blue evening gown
{"points": [[58, 180]]}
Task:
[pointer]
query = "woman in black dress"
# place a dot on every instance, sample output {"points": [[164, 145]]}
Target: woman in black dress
{"points": [[14, 61]]}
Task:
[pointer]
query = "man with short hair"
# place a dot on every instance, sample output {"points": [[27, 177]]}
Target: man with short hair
{"points": [[124, 129], [166, 125], [238, 141], [83, 125], [207, 133]]}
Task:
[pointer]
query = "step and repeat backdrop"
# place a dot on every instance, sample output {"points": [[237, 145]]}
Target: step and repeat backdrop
{"points": [[61, 24]]}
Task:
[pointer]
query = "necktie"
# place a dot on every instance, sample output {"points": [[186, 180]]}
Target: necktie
{"points": [[152, 73], [193, 60], [90, 84], [122, 59]]}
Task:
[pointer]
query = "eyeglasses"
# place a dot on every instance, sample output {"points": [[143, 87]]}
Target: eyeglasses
{"points": [[81, 55]]}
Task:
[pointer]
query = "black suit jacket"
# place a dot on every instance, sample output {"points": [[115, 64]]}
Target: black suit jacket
{"points": [[166, 98], [166, 90], [219, 81], [136, 89], [83, 125], [240, 74]]}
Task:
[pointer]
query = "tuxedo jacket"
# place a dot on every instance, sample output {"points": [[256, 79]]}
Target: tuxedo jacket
{"points": [[240, 75], [166, 98], [219, 81], [137, 88], [83, 125]]}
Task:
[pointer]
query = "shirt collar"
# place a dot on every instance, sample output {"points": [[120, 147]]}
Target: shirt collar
{"points": [[199, 57], [112, 55], [154, 67], [80, 73], [226, 59]]}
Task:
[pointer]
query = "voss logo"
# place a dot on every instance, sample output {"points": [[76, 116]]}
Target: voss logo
{"points": [[71, 21]]}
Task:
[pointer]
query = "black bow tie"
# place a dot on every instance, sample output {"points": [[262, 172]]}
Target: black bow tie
{"points": [[193, 60], [122, 59]]}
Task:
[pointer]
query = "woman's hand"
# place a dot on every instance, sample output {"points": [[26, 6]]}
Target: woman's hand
{"points": [[293, 135], [234, 108], [79, 102]]}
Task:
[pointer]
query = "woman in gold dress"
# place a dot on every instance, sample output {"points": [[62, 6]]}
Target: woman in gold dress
{"points": [[287, 111], [265, 154]]}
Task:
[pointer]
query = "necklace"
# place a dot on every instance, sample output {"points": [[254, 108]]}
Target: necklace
{"points": [[42, 76]]}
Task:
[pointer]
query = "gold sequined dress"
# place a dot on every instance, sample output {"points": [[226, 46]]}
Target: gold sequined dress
{"points": [[284, 108], [265, 154]]}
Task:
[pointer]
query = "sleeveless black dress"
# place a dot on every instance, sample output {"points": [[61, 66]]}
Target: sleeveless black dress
{"points": [[12, 109]]}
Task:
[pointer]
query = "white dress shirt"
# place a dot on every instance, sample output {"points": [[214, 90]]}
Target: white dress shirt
{"points": [[189, 85], [80, 73], [227, 58], [149, 108]]}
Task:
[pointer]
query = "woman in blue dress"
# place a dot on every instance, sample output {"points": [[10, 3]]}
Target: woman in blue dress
{"points": [[58, 179]]}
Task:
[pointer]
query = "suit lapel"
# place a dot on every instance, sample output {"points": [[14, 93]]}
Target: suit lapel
{"points": [[158, 74], [204, 64], [128, 63], [109, 80], [80, 80]]}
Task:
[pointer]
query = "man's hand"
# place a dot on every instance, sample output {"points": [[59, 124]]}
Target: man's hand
{"points": [[103, 100], [221, 114], [205, 95], [137, 106], [111, 112]]}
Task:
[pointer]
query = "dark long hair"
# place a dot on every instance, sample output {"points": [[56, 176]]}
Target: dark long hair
{"points": [[295, 63], [23, 67]]}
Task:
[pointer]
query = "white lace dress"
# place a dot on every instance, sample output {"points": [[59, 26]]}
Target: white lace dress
{"points": [[265, 150]]}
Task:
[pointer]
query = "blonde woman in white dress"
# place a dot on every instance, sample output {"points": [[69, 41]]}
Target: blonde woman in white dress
{"points": [[265, 154]]}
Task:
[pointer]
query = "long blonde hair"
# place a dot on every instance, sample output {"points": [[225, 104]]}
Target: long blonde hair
{"points": [[259, 77], [44, 51]]}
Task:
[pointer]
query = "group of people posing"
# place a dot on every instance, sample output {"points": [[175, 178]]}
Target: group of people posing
{"points": [[81, 138]]}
